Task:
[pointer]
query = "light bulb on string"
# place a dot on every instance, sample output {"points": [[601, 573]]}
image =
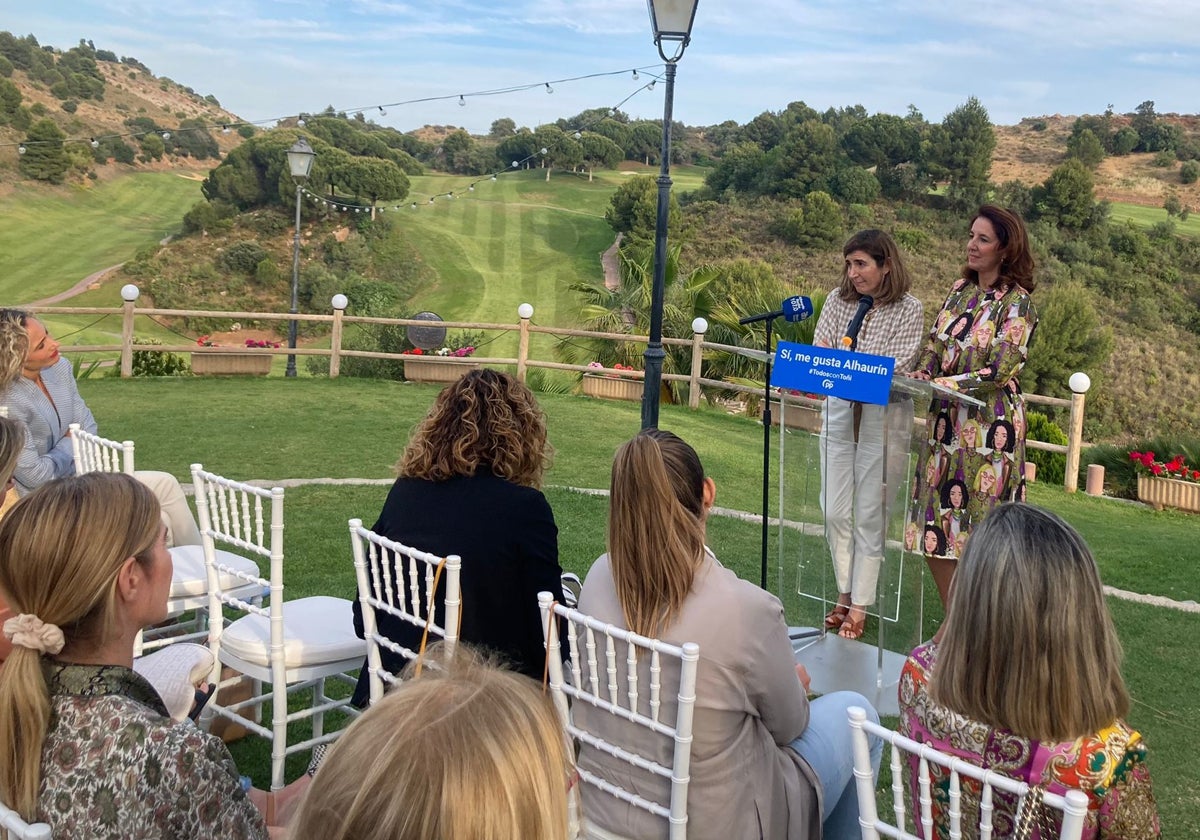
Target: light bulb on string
{"points": [[166, 135], [414, 205], [300, 122], [515, 162], [635, 75], [493, 177], [544, 151], [548, 88], [462, 103], [224, 129], [381, 111], [431, 199], [471, 188], [21, 150], [95, 143], [578, 135], [651, 85]]}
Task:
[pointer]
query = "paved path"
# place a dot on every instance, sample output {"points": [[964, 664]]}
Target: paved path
{"points": [[84, 284]]}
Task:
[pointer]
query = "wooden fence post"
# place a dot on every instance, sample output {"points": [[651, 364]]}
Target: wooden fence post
{"points": [[339, 303], [129, 294], [524, 312], [699, 328], [1079, 384]]}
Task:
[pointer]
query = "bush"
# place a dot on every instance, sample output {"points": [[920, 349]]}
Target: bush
{"points": [[1051, 466], [1164, 158], [242, 257], [153, 363], [1189, 173], [1120, 477]]}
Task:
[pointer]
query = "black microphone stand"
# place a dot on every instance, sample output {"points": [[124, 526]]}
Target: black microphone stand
{"points": [[766, 417]]}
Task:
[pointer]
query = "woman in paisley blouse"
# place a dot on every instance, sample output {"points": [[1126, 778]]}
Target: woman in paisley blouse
{"points": [[978, 346], [1030, 692], [87, 743]]}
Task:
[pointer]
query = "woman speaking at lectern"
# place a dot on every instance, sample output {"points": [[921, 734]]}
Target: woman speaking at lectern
{"points": [[874, 295]]}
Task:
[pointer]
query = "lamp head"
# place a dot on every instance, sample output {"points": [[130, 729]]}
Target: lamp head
{"points": [[300, 159], [671, 21]]}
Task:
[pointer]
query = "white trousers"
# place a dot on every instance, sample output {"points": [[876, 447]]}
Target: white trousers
{"points": [[852, 494], [176, 515]]}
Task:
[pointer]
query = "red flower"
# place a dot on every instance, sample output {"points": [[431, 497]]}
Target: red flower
{"points": [[1196, 475], [1135, 456], [1157, 469]]}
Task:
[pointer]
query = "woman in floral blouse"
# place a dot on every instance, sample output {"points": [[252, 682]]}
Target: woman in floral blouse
{"points": [[1033, 694], [977, 346], [88, 745]]}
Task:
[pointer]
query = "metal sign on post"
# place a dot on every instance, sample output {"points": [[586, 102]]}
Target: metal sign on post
{"points": [[833, 373]]}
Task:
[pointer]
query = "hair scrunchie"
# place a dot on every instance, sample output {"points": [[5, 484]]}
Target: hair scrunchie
{"points": [[29, 631]]}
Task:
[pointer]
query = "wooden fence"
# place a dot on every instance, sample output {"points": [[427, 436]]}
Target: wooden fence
{"points": [[338, 320]]}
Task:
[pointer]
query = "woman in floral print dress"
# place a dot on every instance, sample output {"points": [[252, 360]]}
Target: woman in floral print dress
{"points": [[87, 743], [1038, 700], [977, 346]]}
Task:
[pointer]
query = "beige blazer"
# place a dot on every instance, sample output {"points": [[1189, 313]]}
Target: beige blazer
{"points": [[746, 782]]}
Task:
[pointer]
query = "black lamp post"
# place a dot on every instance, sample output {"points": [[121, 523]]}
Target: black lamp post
{"points": [[671, 21], [300, 160]]}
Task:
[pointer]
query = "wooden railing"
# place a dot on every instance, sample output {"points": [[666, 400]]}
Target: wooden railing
{"points": [[338, 320]]}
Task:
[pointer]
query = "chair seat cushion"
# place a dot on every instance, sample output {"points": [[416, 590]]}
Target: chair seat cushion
{"points": [[316, 630], [190, 577]]}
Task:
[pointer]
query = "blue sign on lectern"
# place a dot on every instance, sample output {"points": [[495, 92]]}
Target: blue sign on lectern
{"points": [[834, 373]]}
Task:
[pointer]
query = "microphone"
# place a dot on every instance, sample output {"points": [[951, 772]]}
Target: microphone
{"points": [[850, 339], [795, 308]]}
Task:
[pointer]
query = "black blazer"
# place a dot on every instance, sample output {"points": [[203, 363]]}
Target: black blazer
{"points": [[508, 542]]}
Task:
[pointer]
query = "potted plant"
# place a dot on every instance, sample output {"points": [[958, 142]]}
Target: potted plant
{"points": [[439, 365], [232, 362], [1166, 483], [611, 385]]}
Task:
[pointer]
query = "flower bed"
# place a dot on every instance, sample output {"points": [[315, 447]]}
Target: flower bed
{"points": [[435, 369], [612, 388]]}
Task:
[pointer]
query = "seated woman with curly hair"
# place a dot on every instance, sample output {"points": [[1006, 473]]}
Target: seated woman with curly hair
{"points": [[468, 485]]}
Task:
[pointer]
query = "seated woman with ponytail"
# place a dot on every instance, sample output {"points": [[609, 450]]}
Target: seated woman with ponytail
{"points": [[765, 762], [87, 744]]}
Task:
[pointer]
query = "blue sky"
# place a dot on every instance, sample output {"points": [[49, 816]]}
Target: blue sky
{"points": [[273, 58]]}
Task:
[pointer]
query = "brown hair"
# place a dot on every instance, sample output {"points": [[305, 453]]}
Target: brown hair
{"points": [[1029, 645], [881, 248], [466, 752], [14, 345], [487, 420], [12, 441], [61, 549], [1016, 260], [655, 528]]}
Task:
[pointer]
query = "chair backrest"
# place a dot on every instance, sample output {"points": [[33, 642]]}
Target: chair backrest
{"points": [[251, 520], [18, 829], [1073, 804], [96, 454], [599, 653], [399, 581]]}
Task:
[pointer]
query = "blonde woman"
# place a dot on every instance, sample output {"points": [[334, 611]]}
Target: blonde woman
{"points": [[471, 752], [765, 762], [1030, 692], [88, 745], [469, 485], [37, 387]]}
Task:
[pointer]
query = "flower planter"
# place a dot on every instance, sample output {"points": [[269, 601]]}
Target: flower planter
{"points": [[435, 370], [231, 364], [1169, 492], [797, 416], [612, 388]]}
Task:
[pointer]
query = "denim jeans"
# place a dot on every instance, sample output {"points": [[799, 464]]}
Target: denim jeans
{"points": [[826, 746]]}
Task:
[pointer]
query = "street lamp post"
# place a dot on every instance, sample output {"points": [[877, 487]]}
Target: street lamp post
{"points": [[671, 21], [300, 160]]}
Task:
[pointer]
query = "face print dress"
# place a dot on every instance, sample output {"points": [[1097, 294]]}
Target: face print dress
{"points": [[978, 345]]}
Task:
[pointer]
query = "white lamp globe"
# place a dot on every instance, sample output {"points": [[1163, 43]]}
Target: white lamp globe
{"points": [[1079, 382], [525, 310], [340, 301], [129, 293], [699, 325]]}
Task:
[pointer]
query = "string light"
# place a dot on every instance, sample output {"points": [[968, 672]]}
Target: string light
{"points": [[166, 135], [635, 75], [95, 143], [21, 150], [381, 111], [462, 102], [548, 88], [224, 129]]}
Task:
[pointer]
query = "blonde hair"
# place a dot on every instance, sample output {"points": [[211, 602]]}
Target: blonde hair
{"points": [[1029, 645], [61, 548], [12, 441], [465, 752], [14, 345], [655, 528], [485, 420]]}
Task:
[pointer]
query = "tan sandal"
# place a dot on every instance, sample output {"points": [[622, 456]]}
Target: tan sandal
{"points": [[835, 617], [852, 629]]}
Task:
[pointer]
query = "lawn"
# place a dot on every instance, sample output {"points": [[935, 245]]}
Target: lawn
{"points": [[50, 240], [275, 429], [1147, 217]]}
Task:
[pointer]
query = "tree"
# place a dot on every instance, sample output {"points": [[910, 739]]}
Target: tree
{"points": [[502, 128], [1172, 204], [855, 185], [1124, 141], [739, 169], [10, 99], [44, 158], [882, 140], [1067, 196], [806, 160], [1086, 148], [1069, 337], [816, 224], [633, 208], [1189, 173], [960, 150], [456, 149], [645, 140], [376, 179], [598, 150]]}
